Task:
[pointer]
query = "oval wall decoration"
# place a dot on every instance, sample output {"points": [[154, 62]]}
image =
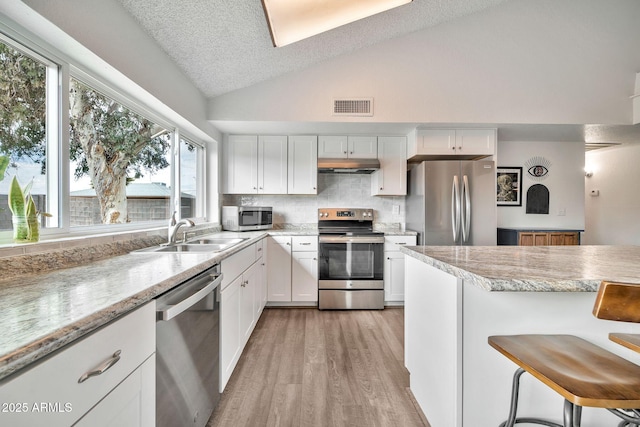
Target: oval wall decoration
{"points": [[538, 168]]}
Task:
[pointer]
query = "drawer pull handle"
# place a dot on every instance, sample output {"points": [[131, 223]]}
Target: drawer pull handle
{"points": [[305, 244], [102, 368]]}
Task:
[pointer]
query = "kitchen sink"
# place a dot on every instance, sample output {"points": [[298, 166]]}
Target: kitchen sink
{"points": [[198, 245], [225, 241]]}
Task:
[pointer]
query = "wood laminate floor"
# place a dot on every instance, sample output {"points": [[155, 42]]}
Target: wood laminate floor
{"points": [[305, 367]]}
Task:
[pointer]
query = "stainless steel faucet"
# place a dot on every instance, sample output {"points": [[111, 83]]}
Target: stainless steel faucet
{"points": [[175, 226]]}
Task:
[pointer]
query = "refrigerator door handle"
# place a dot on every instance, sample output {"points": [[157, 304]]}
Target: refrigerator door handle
{"points": [[455, 208], [466, 209]]}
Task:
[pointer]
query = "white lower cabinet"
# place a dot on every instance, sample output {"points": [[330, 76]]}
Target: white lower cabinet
{"points": [[128, 405], [304, 276], [293, 269], [279, 268], [50, 391], [241, 303], [394, 266]]}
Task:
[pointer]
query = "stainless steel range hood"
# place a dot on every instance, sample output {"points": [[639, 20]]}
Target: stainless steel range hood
{"points": [[348, 165]]}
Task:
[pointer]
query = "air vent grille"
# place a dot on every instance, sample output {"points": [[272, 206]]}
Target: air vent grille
{"points": [[353, 107]]}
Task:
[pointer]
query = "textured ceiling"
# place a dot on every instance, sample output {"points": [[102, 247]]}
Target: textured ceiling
{"points": [[224, 45]]}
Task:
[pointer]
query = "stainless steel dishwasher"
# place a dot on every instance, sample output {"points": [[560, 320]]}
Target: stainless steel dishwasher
{"points": [[187, 351]]}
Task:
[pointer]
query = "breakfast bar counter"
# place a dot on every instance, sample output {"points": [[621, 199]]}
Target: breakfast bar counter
{"points": [[456, 297]]}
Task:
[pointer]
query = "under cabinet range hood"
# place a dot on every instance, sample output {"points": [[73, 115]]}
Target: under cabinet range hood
{"points": [[348, 165]]}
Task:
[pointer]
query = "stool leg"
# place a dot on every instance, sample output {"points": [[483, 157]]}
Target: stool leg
{"points": [[572, 414], [515, 388]]}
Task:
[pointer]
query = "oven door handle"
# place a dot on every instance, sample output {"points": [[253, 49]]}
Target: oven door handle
{"points": [[351, 239]]}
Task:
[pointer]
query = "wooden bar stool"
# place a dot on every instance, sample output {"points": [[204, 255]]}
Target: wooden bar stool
{"points": [[583, 373]]}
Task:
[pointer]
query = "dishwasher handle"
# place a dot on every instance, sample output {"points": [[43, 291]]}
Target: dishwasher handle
{"points": [[172, 311]]}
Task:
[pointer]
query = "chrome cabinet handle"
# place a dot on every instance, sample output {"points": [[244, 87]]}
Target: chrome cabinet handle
{"points": [[102, 368], [305, 243], [259, 249]]}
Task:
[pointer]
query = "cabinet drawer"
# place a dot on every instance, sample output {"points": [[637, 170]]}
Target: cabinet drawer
{"points": [[393, 243], [304, 243], [233, 266], [50, 390]]}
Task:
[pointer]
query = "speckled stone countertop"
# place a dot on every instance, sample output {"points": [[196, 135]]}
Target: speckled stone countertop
{"points": [[534, 268], [41, 313]]}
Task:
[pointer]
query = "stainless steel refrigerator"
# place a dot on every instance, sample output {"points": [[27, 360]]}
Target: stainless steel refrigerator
{"points": [[452, 202]]}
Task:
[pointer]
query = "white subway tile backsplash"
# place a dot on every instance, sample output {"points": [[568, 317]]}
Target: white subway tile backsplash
{"points": [[334, 190]]}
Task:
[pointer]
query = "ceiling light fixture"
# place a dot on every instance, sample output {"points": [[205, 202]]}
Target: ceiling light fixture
{"points": [[293, 20]]}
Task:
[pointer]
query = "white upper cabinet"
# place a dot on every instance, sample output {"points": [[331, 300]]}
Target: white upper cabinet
{"points": [[332, 147], [255, 165], [272, 165], [451, 143], [362, 147], [303, 164], [343, 147], [240, 164], [391, 178]]}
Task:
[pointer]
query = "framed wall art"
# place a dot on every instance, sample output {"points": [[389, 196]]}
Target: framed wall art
{"points": [[509, 186]]}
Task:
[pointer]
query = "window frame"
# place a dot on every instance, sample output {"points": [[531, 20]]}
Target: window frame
{"points": [[58, 144]]}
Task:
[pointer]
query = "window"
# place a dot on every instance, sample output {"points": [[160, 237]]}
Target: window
{"points": [[29, 120], [124, 164], [191, 179], [120, 162]]}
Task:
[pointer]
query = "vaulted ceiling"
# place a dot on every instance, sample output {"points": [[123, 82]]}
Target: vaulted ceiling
{"points": [[224, 45]]}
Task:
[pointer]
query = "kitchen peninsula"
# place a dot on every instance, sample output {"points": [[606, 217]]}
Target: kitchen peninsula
{"points": [[456, 297]]}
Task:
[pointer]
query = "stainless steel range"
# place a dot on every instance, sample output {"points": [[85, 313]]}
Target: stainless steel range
{"points": [[350, 260]]}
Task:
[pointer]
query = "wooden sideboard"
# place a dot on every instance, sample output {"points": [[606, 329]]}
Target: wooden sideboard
{"points": [[537, 237]]}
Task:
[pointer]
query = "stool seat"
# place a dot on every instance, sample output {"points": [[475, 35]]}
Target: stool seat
{"points": [[631, 341], [583, 373]]}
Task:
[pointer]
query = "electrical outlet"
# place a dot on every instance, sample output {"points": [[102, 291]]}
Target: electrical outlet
{"points": [[396, 209], [562, 212]]}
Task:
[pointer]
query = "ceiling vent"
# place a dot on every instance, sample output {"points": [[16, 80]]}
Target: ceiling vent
{"points": [[353, 107]]}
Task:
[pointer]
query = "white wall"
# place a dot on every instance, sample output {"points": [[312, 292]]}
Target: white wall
{"points": [[543, 61], [613, 217], [565, 182]]}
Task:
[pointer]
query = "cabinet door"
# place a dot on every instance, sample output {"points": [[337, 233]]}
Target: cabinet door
{"points": [[533, 239], [391, 178], [131, 404], [303, 165], [475, 141], [279, 268], [394, 276], [249, 301], [230, 335], [436, 141], [362, 147], [572, 238], [304, 276], [332, 147], [272, 165], [262, 259], [241, 163]]}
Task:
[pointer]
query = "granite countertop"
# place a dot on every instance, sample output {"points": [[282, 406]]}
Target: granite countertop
{"points": [[534, 268], [41, 313]]}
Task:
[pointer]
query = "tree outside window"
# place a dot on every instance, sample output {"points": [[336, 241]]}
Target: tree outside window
{"points": [[120, 152]]}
